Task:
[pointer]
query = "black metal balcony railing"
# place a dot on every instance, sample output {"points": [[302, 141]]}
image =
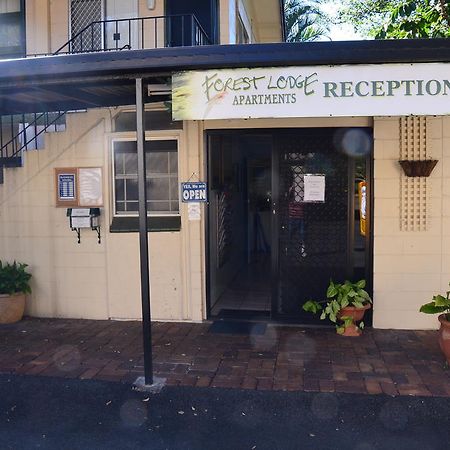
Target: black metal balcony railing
{"points": [[137, 33], [23, 132]]}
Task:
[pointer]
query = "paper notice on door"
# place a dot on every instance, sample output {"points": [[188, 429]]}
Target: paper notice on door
{"points": [[314, 188], [194, 211]]}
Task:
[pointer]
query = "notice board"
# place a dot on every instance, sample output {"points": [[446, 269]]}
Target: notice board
{"points": [[79, 187]]}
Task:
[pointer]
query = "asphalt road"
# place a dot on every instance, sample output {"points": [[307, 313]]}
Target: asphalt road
{"points": [[50, 413]]}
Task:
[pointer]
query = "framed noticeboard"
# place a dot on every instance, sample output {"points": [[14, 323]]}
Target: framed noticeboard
{"points": [[79, 187], [66, 187]]}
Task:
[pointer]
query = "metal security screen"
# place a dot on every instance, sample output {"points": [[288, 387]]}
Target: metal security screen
{"points": [[83, 13], [313, 236]]}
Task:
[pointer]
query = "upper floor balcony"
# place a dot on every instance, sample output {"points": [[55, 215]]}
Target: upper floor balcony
{"points": [[41, 27], [137, 33]]}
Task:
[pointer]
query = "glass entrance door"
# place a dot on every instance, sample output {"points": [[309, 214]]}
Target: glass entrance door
{"points": [[315, 219], [285, 216]]}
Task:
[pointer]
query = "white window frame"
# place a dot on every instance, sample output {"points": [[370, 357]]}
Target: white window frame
{"points": [[149, 136], [242, 15]]}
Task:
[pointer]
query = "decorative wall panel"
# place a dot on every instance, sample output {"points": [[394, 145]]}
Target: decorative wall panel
{"points": [[413, 190]]}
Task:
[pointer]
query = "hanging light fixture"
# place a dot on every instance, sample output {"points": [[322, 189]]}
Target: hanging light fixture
{"points": [[151, 4]]}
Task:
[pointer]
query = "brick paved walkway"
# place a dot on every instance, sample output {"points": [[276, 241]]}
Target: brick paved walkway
{"points": [[284, 358]]}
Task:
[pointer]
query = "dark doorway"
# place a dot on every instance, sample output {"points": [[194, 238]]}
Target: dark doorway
{"points": [[273, 241], [239, 220], [181, 31]]}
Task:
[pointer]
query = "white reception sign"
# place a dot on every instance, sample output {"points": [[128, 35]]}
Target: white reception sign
{"points": [[313, 91]]}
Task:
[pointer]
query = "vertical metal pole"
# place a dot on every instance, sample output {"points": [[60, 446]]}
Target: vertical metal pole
{"points": [[143, 234]]}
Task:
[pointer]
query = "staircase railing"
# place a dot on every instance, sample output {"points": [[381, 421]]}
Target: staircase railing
{"points": [[100, 36], [37, 123], [137, 33]]}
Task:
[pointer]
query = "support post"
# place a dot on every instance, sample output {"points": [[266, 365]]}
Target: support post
{"points": [[143, 233]]}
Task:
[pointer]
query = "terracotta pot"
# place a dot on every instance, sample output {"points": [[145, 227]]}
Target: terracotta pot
{"points": [[356, 314], [444, 336], [11, 307]]}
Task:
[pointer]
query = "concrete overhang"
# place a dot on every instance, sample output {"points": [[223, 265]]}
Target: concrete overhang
{"points": [[65, 82]]}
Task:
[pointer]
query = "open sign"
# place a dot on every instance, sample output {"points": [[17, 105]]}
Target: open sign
{"points": [[194, 192]]}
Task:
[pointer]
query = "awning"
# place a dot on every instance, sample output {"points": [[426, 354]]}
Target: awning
{"points": [[65, 82]]}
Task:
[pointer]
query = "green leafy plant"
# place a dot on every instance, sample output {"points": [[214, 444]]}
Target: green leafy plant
{"points": [[340, 296], [14, 278], [439, 305]]}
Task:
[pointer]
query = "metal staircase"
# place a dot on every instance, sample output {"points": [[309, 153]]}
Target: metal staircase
{"points": [[19, 133]]}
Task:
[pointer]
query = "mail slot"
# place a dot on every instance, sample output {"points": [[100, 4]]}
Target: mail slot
{"points": [[84, 218]]}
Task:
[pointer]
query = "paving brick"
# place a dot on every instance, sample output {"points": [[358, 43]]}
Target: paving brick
{"points": [[373, 387], [89, 373], [389, 388], [286, 358], [249, 383], [326, 386], [408, 389], [264, 384], [203, 381]]}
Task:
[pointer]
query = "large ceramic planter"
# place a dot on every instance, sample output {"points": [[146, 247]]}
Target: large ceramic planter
{"points": [[11, 308], [356, 314], [444, 336]]}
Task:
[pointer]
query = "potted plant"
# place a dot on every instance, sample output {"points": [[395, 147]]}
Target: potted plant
{"points": [[441, 305], [14, 284], [345, 306]]}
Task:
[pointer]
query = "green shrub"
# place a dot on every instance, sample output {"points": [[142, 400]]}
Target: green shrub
{"points": [[340, 296], [439, 305], [14, 278]]}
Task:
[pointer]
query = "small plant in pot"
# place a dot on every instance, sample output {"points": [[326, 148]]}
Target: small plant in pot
{"points": [[14, 284], [345, 306], [441, 305]]}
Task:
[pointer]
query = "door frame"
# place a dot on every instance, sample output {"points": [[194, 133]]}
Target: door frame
{"points": [[275, 178]]}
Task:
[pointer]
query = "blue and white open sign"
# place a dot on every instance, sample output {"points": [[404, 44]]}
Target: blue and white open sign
{"points": [[194, 192]]}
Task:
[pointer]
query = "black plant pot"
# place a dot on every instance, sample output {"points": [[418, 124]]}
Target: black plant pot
{"points": [[418, 168]]}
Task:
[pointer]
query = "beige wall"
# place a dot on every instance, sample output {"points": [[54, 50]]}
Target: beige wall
{"points": [[410, 266], [47, 22], [95, 281], [89, 280]]}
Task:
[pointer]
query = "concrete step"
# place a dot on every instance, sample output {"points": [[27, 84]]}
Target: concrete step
{"points": [[11, 161]]}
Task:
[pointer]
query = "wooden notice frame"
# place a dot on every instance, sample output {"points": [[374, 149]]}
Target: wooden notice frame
{"points": [[78, 187], [66, 187]]}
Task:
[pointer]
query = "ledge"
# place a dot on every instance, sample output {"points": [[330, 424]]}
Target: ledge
{"points": [[155, 224]]}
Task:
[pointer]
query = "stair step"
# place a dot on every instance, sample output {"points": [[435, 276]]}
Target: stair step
{"points": [[56, 128], [11, 161]]}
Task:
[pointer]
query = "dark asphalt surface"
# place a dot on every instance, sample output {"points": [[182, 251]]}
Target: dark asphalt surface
{"points": [[50, 413]]}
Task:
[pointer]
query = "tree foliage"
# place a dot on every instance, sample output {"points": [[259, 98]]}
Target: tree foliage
{"points": [[305, 21], [397, 19]]}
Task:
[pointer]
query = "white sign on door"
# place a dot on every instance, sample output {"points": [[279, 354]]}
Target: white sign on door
{"points": [[314, 186]]}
